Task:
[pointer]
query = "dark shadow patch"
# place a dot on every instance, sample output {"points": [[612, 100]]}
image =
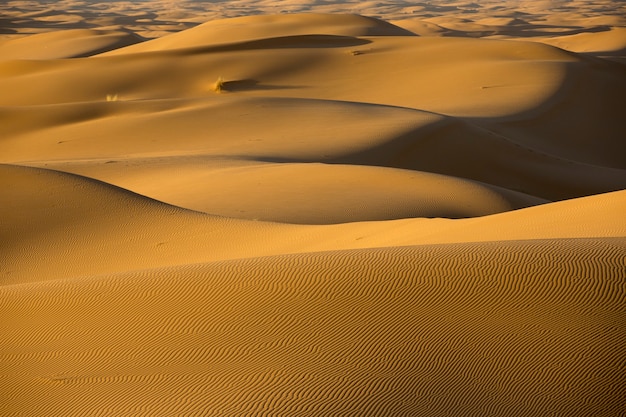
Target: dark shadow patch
{"points": [[253, 85], [282, 42]]}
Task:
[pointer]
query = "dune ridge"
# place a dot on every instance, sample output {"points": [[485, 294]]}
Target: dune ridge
{"points": [[108, 229], [281, 209]]}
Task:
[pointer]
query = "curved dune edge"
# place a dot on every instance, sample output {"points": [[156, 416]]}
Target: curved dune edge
{"points": [[71, 43], [490, 329], [100, 140], [251, 28], [603, 43], [301, 193], [107, 229]]}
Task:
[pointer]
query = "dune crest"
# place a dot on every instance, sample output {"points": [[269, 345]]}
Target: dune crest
{"points": [[108, 229], [249, 28], [71, 43]]}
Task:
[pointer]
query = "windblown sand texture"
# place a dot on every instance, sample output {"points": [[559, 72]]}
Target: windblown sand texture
{"points": [[288, 208]]}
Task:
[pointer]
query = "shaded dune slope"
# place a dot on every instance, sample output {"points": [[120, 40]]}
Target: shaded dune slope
{"points": [[97, 138]]}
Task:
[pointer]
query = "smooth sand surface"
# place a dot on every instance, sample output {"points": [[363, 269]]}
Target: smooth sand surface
{"points": [[312, 208]]}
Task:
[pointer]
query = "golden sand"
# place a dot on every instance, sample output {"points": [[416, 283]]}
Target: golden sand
{"points": [[289, 208]]}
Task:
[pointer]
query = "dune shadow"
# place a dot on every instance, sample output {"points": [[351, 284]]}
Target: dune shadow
{"points": [[525, 30], [253, 85], [548, 30], [88, 20], [521, 148], [9, 26], [4, 27], [285, 42]]}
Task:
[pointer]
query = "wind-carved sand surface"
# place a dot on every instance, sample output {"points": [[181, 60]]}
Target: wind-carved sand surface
{"points": [[287, 208]]}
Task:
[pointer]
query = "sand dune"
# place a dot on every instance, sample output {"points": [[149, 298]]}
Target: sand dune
{"points": [[328, 333], [108, 229], [312, 208], [72, 43], [249, 28], [306, 193]]}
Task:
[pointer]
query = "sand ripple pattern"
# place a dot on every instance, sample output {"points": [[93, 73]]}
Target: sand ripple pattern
{"points": [[476, 329]]}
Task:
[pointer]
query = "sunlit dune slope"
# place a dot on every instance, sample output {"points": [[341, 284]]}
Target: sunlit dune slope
{"points": [[249, 28], [455, 76], [306, 193], [490, 329], [49, 215], [71, 43], [607, 43]]}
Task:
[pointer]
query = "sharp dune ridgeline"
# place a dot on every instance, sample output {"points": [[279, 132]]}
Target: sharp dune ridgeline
{"points": [[321, 209]]}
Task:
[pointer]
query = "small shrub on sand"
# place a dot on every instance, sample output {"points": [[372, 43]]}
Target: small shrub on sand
{"points": [[218, 86]]}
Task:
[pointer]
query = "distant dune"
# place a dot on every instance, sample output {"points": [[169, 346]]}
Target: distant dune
{"points": [[268, 209]]}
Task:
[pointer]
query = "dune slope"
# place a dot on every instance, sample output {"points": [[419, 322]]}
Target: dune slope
{"points": [[499, 329], [106, 229]]}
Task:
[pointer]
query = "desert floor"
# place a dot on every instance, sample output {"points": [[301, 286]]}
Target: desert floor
{"points": [[282, 208]]}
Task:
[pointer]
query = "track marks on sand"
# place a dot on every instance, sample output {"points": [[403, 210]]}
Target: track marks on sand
{"points": [[507, 328]]}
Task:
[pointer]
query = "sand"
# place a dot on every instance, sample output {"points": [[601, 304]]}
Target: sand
{"points": [[312, 208]]}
